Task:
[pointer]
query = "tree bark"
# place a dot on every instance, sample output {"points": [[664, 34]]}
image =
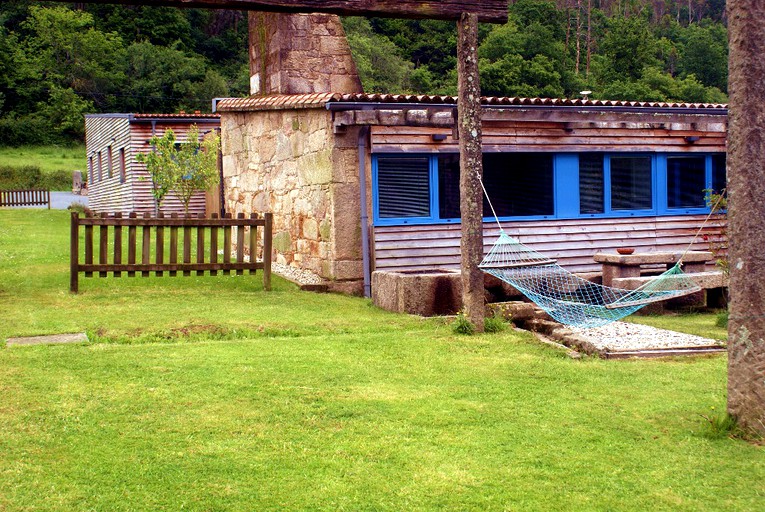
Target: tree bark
{"points": [[746, 213], [471, 169]]}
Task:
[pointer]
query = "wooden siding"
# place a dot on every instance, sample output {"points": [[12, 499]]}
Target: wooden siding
{"points": [[572, 242], [107, 194], [112, 195], [517, 136]]}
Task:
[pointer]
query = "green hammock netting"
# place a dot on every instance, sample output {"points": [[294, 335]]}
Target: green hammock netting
{"points": [[570, 299]]}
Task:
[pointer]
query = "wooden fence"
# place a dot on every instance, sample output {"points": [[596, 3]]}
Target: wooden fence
{"points": [[205, 234], [31, 197]]}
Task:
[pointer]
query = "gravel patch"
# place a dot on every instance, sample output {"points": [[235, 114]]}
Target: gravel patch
{"points": [[623, 336], [296, 275]]}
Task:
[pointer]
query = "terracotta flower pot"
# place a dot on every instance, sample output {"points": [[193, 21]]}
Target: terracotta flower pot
{"points": [[625, 250]]}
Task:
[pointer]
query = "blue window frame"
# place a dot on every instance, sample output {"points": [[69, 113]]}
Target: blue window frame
{"points": [[424, 189]]}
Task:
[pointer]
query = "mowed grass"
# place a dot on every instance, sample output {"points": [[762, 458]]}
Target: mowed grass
{"points": [[47, 158], [211, 394]]}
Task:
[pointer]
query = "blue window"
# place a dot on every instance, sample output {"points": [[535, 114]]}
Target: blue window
{"points": [[425, 189]]}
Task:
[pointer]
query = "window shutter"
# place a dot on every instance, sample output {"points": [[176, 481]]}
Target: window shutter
{"points": [[403, 186]]}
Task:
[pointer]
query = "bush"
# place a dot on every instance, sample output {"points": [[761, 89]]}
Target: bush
{"points": [[462, 325], [722, 319], [494, 324], [30, 176]]}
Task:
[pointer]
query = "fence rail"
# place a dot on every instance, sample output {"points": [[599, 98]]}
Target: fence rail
{"points": [[204, 233], [27, 197]]}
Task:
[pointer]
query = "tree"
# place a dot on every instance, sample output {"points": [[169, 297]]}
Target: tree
{"points": [[183, 168], [197, 165], [746, 214]]}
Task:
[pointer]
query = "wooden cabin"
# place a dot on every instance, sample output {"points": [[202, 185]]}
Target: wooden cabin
{"points": [[363, 182], [116, 181]]}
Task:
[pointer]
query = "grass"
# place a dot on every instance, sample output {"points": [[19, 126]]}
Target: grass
{"points": [[47, 158], [292, 400]]}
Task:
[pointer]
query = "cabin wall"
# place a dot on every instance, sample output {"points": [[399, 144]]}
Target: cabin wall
{"points": [[560, 136], [141, 134], [572, 242], [131, 193], [102, 134]]}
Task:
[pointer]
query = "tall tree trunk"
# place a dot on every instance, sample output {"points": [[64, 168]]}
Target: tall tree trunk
{"points": [[578, 35], [746, 213], [589, 36], [471, 169]]}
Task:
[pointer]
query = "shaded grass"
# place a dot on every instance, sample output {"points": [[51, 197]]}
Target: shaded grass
{"points": [[210, 394]]}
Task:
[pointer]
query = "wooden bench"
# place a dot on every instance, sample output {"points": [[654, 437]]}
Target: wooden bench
{"points": [[31, 197]]}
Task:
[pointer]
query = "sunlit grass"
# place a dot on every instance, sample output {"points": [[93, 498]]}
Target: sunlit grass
{"points": [[47, 158], [208, 393]]}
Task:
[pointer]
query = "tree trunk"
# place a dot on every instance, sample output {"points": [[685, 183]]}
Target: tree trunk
{"points": [[471, 169], [746, 213]]}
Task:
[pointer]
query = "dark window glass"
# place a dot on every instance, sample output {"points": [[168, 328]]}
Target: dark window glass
{"points": [[686, 181], [591, 183], [449, 186], [122, 165], [719, 180], [518, 184], [109, 162], [403, 186], [631, 183]]}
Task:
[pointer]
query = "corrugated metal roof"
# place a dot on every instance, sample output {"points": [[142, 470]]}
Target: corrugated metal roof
{"points": [[291, 101]]}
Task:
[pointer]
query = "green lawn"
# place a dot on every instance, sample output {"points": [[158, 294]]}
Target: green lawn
{"points": [[211, 394], [47, 158]]}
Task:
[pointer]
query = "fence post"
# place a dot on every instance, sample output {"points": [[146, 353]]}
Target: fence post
{"points": [[74, 253], [269, 217]]}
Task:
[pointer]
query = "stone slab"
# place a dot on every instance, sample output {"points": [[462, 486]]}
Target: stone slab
{"points": [[645, 258], [54, 339]]}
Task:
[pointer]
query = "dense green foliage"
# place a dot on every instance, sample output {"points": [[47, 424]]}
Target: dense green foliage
{"points": [[31, 177], [58, 62], [207, 393], [619, 49]]}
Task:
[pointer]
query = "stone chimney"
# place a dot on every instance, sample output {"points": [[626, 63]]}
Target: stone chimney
{"points": [[300, 53]]}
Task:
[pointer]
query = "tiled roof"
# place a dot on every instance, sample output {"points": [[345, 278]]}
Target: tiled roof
{"points": [[291, 101]]}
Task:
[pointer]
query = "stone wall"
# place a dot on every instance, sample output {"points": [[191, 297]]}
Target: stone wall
{"points": [[289, 162], [300, 53]]}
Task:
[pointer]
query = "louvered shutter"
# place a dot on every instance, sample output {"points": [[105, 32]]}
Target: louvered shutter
{"points": [[403, 187]]}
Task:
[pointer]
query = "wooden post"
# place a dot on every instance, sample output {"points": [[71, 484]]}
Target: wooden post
{"points": [[74, 253], [746, 214], [267, 238], [471, 169]]}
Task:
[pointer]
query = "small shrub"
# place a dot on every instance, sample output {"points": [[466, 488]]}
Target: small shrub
{"points": [[719, 426], [494, 324], [722, 319], [79, 208], [462, 325]]}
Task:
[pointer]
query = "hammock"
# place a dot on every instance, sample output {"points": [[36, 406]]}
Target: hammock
{"points": [[570, 299]]}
